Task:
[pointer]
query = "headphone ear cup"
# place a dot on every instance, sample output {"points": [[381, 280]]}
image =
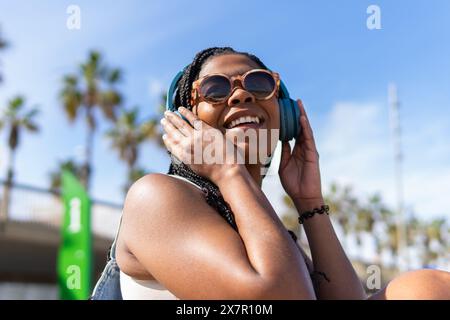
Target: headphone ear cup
{"points": [[289, 119], [171, 93]]}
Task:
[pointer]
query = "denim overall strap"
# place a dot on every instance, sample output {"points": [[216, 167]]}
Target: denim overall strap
{"points": [[112, 249], [108, 286]]}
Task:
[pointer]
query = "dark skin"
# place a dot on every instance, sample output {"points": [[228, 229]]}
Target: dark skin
{"points": [[222, 263], [184, 244], [261, 261]]}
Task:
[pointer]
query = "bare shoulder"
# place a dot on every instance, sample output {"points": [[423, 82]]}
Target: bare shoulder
{"points": [[155, 190], [146, 200], [160, 197], [184, 243]]}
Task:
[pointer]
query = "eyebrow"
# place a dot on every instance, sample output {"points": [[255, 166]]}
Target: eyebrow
{"points": [[238, 72]]}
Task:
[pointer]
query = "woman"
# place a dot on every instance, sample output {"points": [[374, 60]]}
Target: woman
{"points": [[173, 244]]}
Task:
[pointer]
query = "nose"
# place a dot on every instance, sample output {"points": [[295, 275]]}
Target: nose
{"points": [[240, 96]]}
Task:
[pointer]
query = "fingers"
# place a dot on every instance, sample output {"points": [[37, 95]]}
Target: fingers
{"points": [[308, 141], [306, 128], [168, 142], [178, 123], [306, 136], [173, 146], [285, 154], [302, 108], [304, 121], [179, 135], [285, 149], [192, 118], [171, 130]]}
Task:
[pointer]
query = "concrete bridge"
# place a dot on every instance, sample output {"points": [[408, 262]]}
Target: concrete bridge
{"points": [[30, 238]]}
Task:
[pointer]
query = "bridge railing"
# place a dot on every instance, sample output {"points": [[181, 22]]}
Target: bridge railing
{"points": [[44, 206]]}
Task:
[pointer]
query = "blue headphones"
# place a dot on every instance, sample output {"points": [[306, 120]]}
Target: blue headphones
{"points": [[289, 112]]}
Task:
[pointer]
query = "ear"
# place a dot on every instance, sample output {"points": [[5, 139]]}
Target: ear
{"points": [[194, 96]]}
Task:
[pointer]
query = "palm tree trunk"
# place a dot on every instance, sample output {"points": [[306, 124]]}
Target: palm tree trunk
{"points": [[130, 176], [87, 168], [378, 251], [4, 209]]}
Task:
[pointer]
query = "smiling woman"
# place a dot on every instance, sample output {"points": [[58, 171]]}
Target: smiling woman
{"points": [[206, 230]]}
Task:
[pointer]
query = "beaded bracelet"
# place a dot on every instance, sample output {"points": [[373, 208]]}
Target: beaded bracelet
{"points": [[309, 214]]}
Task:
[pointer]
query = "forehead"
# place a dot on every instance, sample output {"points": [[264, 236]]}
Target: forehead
{"points": [[229, 64]]}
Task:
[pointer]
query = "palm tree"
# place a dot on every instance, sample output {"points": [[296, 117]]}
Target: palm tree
{"points": [[3, 46], [433, 233], [15, 118], [344, 206], [133, 175], [127, 134], [368, 218], [55, 176], [91, 88], [392, 238], [160, 113]]}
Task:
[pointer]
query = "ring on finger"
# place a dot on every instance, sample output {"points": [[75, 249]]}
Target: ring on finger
{"points": [[197, 124]]}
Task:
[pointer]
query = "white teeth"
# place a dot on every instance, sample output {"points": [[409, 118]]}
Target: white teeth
{"points": [[243, 120]]}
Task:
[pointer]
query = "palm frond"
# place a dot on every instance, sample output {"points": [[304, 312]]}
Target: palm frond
{"points": [[30, 126], [16, 103], [30, 115], [110, 101], [114, 76]]}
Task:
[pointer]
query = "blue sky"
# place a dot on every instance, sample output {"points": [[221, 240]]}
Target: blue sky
{"points": [[323, 50]]}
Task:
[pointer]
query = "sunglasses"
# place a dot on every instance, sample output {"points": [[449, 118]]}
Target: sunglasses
{"points": [[217, 88]]}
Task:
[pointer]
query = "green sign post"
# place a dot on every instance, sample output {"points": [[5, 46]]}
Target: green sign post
{"points": [[75, 252]]}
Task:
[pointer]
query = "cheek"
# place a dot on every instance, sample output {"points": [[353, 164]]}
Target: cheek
{"points": [[207, 113], [275, 118], [272, 108], [273, 127]]}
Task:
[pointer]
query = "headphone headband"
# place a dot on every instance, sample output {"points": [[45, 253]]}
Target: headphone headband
{"points": [[171, 93]]}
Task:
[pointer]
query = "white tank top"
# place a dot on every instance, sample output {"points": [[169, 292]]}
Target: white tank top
{"points": [[134, 289]]}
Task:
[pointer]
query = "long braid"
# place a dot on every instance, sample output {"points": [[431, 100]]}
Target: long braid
{"points": [[212, 193], [183, 97]]}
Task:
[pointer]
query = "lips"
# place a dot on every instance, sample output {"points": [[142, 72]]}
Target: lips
{"points": [[246, 126], [239, 118]]}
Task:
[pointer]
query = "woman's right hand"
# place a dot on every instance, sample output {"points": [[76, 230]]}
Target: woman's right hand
{"points": [[202, 147]]}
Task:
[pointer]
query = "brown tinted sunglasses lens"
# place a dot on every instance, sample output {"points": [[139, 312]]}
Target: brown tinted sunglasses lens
{"points": [[260, 84], [215, 88]]}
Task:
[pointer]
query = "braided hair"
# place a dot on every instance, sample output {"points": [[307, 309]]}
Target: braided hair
{"points": [[183, 98]]}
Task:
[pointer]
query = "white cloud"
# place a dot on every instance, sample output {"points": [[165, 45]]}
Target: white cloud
{"points": [[427, 192], [355, 147], [156, 87]]}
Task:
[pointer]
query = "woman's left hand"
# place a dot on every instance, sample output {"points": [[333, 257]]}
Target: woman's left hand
{"points": [[299, 171]]}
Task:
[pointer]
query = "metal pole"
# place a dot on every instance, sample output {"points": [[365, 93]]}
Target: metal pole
{"points": [[402, 254]]}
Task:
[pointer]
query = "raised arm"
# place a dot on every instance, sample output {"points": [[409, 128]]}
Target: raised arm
{"points": [[300, 176], [270, 248], [260, 262], [196, 254]]}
